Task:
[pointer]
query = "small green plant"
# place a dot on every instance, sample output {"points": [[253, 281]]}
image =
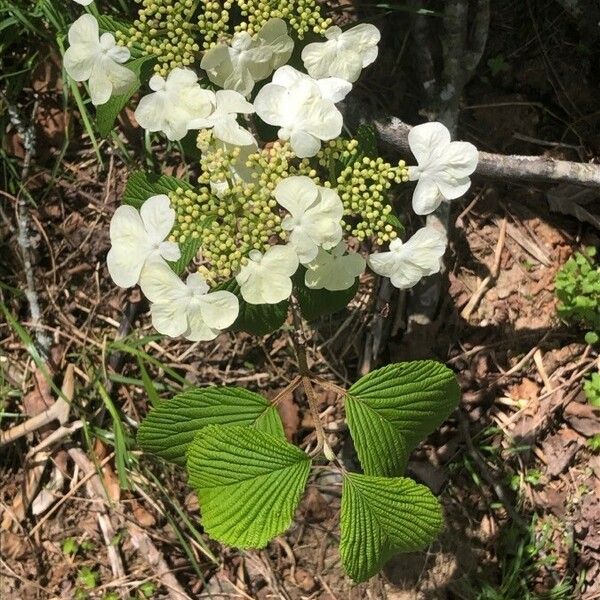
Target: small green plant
{"points": [[87, 577], [594, 443], [591, 388], [70, 546], [577, 286], [147, 590]]}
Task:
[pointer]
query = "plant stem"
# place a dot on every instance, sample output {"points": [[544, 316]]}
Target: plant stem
{"points": [[299, 341]]}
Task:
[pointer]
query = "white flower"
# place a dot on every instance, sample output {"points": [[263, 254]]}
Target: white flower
{"points": [[188, 308], [175, 102], [345, 53], [84, 2], [138, 236], [240, 65], [266, 278], [334, 271], [406, 263], [96, 59], [443, 166], [315, 215], [223, 120], [303, 108]]}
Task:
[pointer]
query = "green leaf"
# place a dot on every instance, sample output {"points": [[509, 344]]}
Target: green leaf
{"points": [[383, 516], [171, 425], [140, 186], [258, 319], [318, 303], [390, 410], [367, 140], [248, 482], [107, 113], [395, 222]]}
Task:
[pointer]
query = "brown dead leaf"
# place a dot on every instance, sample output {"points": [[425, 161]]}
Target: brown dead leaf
{"points": [[560, 449], [290, 415], [583, 418], [527, 389], [40, 398], [13, 545], [316, 507], [143, 517], [111, 481]]}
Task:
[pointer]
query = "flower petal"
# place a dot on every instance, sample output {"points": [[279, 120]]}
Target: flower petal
{"points": [[347, 65], [317, 57], [219, 309], [101, 86], [334, 88], [451, 188], [304, 145], [158, 217], [270, 103], [169, 251], [170, 318], [426, 197], [84, 30], [229, 101], [129, 246], [361, 37], [121, 78], [79, 60], [266, 279], [124, 266], [426, 138], [296, 194], [160, 283], [460, 159], [228, 130], [197, 330]]}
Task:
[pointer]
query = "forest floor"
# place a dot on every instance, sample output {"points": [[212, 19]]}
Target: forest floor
{"points": [[519, 482]]}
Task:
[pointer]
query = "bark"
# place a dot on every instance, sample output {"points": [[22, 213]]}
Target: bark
{"points": [[393, 134]]}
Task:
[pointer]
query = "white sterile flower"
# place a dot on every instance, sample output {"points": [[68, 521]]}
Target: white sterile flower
{"points": [[315, 218], [303, 108], [175, 102], [406, 263], [246, 60], [188, 308], [94, 58], [345, 53], [137, 236], [334, 271], [443, 166], [223, 120], [266, 278]]}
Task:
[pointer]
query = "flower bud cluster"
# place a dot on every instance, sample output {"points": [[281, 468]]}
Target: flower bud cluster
{"points": [[244, 216], [164, 29], [301, 15], [363, 184]]}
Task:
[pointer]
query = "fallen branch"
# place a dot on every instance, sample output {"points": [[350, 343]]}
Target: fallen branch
{"points": [[27, 134], [393, 134]]}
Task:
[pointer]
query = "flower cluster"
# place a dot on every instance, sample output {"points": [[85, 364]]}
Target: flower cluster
{"points": [[261, 208]]}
